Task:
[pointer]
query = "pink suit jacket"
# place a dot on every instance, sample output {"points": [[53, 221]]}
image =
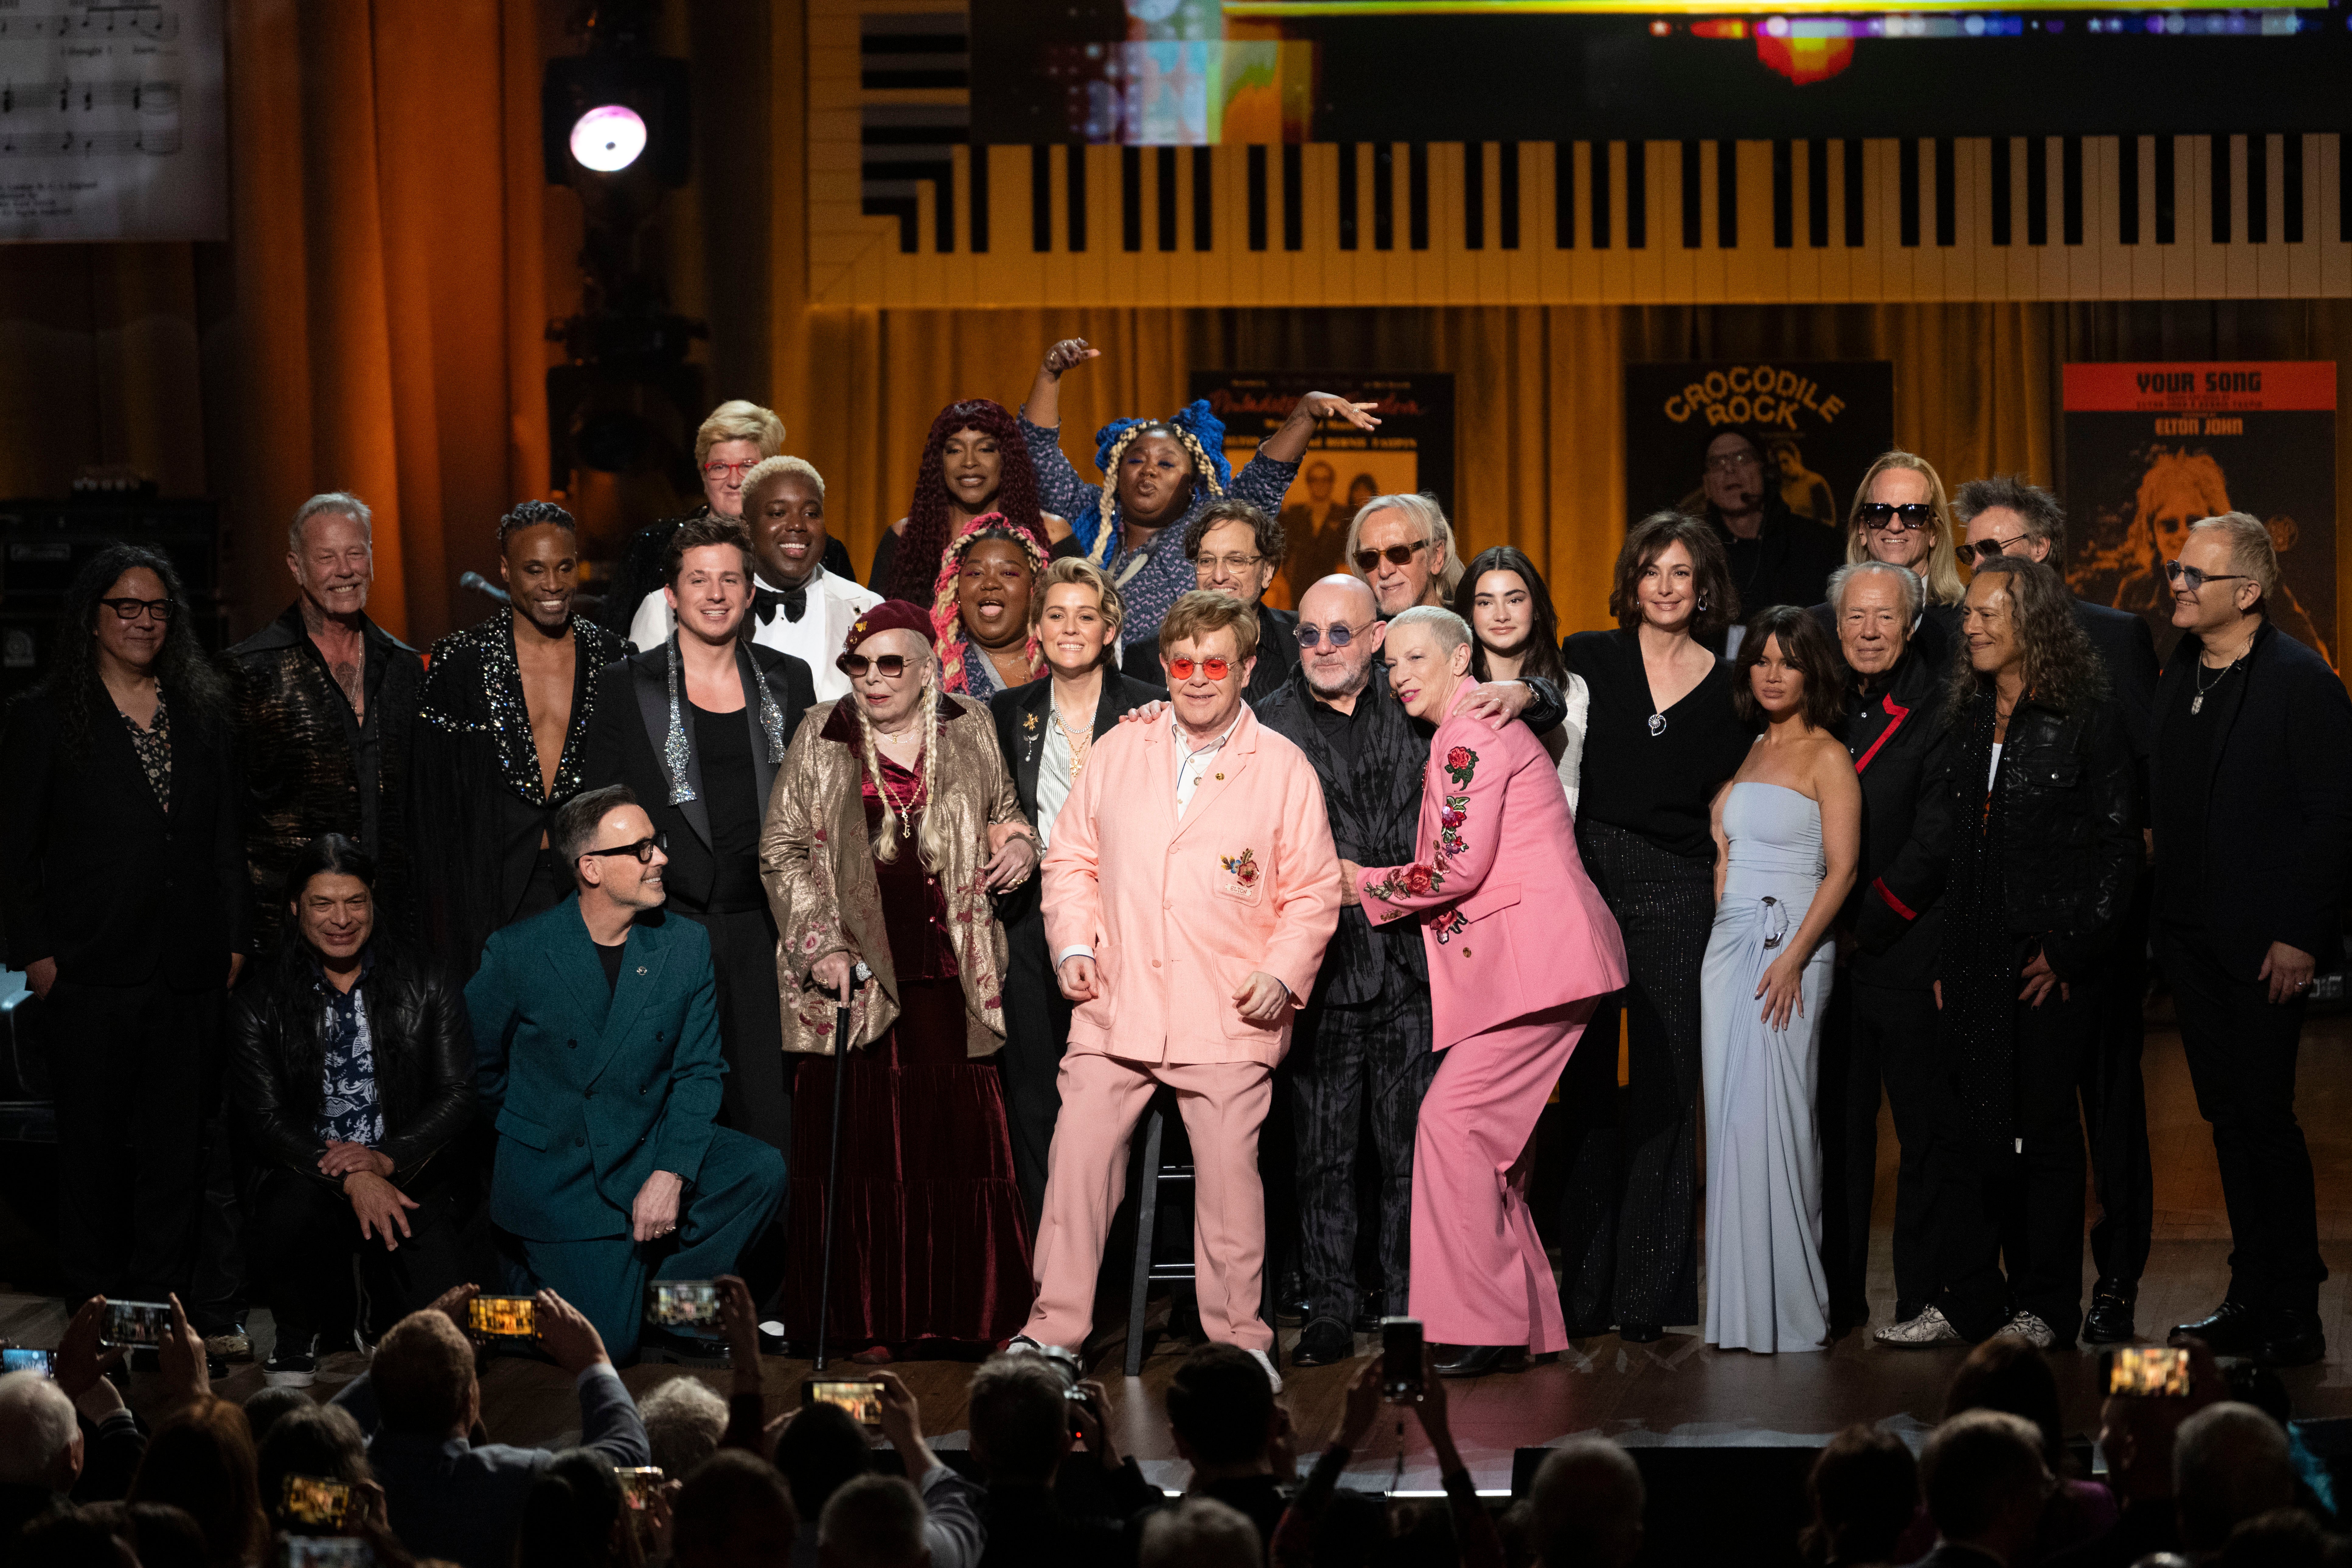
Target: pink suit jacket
{"points": [[1179, 912], [1512, 924]]}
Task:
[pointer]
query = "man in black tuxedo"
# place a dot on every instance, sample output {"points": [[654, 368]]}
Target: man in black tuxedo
{"points": [[2253, 808], [2004, 515], [1881, 1013]]}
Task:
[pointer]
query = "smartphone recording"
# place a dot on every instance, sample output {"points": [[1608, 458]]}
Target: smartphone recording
{"points": [[136, 1323], [682, 1303], [13, 1359], [504, 1317], [862, 1397], [2154, 1372], [317, 1502]]}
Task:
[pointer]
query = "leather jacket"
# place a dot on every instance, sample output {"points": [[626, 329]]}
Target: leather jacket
{"points": [[2071, 846], [418, 1033]]}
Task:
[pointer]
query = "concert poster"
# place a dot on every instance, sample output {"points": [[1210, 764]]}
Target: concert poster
{"points": [[1412, 451], [1821, 424], [2152, 447]]}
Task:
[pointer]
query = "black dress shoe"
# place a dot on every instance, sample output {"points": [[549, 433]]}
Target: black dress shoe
{"points": [[1370, 1311], [2234, 1328], [2294, 1338], [2109, 1320], [1478, 1361], [1640, 1333], [1324, 1342]]}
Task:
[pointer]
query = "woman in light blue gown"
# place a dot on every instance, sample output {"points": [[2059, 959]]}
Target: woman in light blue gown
{"points": [[1788, 833]]}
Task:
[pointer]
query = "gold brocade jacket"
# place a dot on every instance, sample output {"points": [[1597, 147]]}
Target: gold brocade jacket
{"points": [[818, 862]]}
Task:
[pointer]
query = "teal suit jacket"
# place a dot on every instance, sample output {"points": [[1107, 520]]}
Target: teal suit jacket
{"points": [[591, 1101]]}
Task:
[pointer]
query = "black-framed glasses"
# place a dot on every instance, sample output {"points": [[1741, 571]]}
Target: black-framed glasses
{"points": [[1886, 517], [1986, 549], [2192, 578], [855, 665], [643, 850], [1340, 634], [1395, 556], [131, 609], [1214, 668]]}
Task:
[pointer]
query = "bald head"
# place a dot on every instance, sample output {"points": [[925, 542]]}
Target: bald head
{"points": [[1344, 604]]}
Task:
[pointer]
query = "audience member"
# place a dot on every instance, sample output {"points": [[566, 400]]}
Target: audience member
{"points": [[733, 1513], [73, 1541], [2282, 1538], [2230, 1463], [163, 1536], [1474, 1538], [270, 1404], [202, 1459], [1773, 555], [974, 462], [1402, 547], [41, 1450], [321, 1440], [1986, 1485], [48, 1458], [874, 1521], [821, 1449], [2008, 1372], [1861, 1492], [1229, 1427], [574, 1516], [1022, 1418], [1199, 1532], [684, 1419], [737, 437], [2136, 1433], [446, 1495], [1589, 1502]]}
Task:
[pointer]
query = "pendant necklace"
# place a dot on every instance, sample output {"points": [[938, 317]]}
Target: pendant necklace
{"points": [[2197, 703], [1657, 724]]}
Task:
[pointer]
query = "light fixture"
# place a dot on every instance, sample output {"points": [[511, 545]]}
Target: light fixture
{"points": [[608, 138]]}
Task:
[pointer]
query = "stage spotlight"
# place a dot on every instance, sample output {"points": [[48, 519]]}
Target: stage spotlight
{"points": [[608, 138]]}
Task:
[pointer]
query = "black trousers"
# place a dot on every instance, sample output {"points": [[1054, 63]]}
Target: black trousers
{"points": [[1874, 1034], [2007, 1222], [2242, 1055], [1345, 1062], [1036, 1032], [129, 1063], [2115, 1109], [305, 1237], [1628, 1216], [758, 1096]]}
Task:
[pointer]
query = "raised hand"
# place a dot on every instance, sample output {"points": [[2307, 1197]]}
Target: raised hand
{"points": [[1068, 355]]}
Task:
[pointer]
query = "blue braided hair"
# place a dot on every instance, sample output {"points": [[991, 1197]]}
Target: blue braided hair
{"points": [[1195, 428]]}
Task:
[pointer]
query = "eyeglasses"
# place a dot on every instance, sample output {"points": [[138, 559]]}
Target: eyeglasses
{"points": [[1214, 668], [1231, 565], [1395, 554], [1888, 518], [1986, 549], [1724, 462], [2190, 578], [1340, 634], [643, 850], [729, 470], [890, 665], [131, 609]]}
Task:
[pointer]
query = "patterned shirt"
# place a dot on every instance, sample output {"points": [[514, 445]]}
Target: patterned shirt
{"points": [[154, 748], [348, 1111]]}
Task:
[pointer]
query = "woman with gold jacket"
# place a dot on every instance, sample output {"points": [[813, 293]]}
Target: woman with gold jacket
{"points": [[892, 827]]}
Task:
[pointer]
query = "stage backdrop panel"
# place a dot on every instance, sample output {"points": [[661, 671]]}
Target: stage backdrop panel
{"points": [[1412, 451], [1822, 423], [2153, 446]]}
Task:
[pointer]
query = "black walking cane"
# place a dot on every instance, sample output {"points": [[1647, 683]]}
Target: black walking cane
{"points": [[832, 1178]]}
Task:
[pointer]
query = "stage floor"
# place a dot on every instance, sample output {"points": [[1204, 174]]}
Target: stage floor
{"points": [[1675, 1391]]}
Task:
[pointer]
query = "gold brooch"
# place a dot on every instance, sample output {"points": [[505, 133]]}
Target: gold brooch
{"points": [[1029, 722]]}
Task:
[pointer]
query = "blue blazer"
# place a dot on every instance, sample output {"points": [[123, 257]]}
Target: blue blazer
{"points": [[590, 1102]]}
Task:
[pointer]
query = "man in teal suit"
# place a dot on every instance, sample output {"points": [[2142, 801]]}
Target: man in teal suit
{"points": [[596, 1044]]}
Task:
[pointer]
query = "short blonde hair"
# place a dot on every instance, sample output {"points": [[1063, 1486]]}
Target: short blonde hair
{"points": [[769, 467], [1942, 583], [1435, 527], [1204, 610], [2252, 552], [738, 419], [1074, 569]]}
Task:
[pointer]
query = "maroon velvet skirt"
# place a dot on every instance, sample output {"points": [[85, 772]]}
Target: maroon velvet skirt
{"points": [[931, 1241]]}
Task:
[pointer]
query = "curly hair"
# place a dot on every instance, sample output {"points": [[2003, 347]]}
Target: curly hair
{"points": [[1718, 601], [534, 515], [194, 684], [946, 613], [1106, 503], [1539, 655], [916, 566], [2062, 669], [1803, 643]]}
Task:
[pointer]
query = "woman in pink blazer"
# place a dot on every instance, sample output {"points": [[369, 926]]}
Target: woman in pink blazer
{"points": [[1520, 950]]}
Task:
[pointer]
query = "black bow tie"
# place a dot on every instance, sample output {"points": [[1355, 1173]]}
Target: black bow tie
{"points": [[794, 601]]}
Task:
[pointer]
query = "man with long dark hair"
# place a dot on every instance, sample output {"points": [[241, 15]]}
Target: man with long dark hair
{"points": [[128, 910], [354, 1072]]}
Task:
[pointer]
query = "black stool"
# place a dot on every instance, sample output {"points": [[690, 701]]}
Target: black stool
{"points": [[1147, 1268]]}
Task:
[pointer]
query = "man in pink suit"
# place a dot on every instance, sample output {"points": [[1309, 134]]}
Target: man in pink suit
{"points": [[1190, 890], [1520, 951]]}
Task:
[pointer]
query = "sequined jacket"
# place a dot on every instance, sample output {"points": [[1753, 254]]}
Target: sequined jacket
{"points": [[482, 805], [302, 749], [817, 861]]}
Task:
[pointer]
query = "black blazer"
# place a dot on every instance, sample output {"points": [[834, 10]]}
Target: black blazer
{"points": [[1021, 715], [104, 881], [1278, 655], [1902, 756], [2127, 648], [2278, 818], [631, 725]]}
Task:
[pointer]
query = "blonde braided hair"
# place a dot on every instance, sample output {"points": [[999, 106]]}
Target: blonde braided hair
{"points": [[893, 819], [1107, 499]]}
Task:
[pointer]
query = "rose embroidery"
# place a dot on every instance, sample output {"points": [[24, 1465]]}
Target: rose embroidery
{"points": [[1408, 882], [1242, 867], [1460, 764], [1448, 926]]}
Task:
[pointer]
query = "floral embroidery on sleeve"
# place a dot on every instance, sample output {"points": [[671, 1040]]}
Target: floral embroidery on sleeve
{"points": [[1410, 881], [1461, 765]]}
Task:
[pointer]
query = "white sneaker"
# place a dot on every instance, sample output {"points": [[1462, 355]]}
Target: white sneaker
{"points": [[2032, 1330], [1271, 1376], [1930, 1328]]}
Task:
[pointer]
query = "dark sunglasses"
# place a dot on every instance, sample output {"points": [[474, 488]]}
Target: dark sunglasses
{"points": [[1881, 515], [1986, 549], [1341, 635], [2192, 579], [1214, 668], [131, 609], [1396, 556], [643, 850], [856, 665]]}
